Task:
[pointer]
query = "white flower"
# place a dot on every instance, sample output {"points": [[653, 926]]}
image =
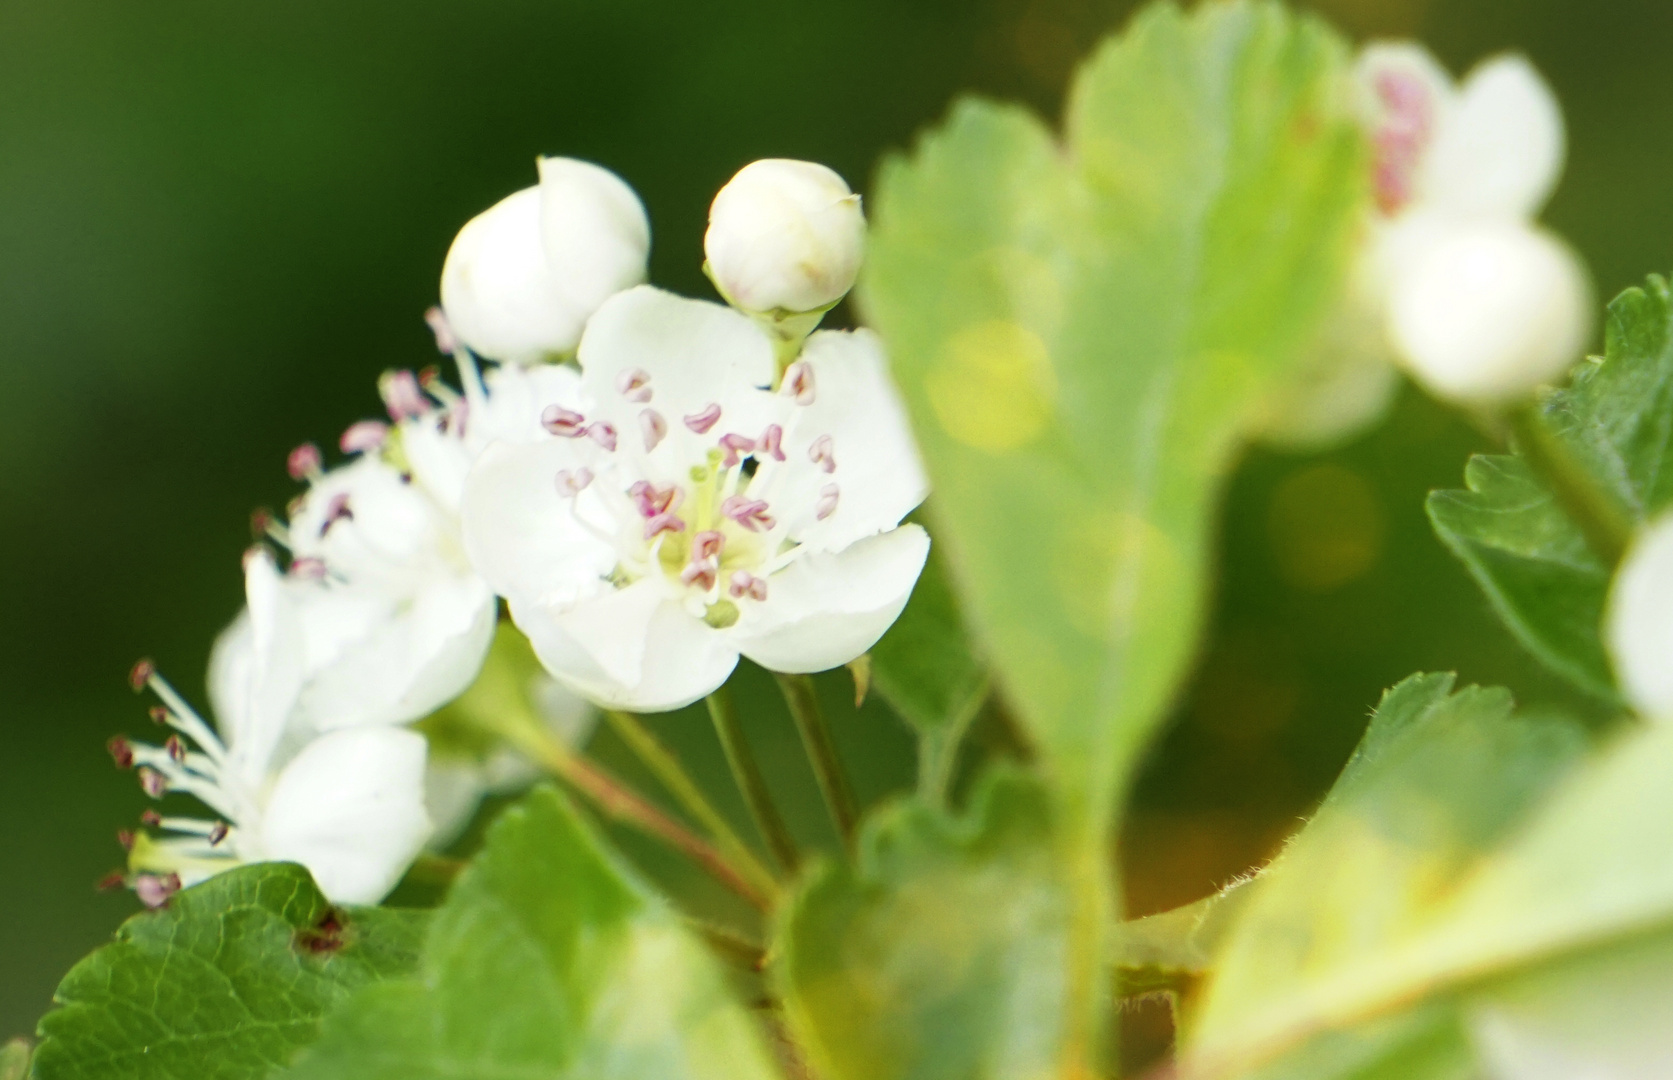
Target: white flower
{"points": [[522, 278], [785, 236], [348, 805], [1638, 626], [1483, 304], [682, 513]]}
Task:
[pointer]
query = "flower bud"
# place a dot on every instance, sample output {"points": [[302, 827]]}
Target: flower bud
{"points": [[1639, 624], [1489, 311], [785, 236], [524, 276]]}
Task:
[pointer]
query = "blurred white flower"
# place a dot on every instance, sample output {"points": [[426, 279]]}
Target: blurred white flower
{"points": [[348, 805], [682, 512], [785, 236], [522, 277], [1483, 304], [1638, 627]]}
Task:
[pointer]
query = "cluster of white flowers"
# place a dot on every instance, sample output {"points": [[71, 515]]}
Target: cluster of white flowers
{"points": [[1456, 283], [1639, 626], [654, 485]]}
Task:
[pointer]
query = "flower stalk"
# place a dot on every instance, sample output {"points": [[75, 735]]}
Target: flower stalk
{"points": [[1593, 510], [751, 784], [803, 701]]}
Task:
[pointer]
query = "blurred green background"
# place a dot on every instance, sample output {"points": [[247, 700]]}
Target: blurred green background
{"points": [[219, 221]]}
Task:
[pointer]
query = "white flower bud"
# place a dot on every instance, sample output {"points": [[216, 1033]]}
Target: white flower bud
{"points": [[524, 276], [785, 236], [1489, 311], [1639, 625]]}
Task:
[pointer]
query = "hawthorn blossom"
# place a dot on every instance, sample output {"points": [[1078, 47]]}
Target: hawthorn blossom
{"points": [[691, 505], [785, 236], [1482, 303], [1639, 625], [523, 276], [348, 805]]}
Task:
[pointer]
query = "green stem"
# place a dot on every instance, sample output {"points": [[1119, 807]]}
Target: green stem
{"points": [[730, 944], [672, 775], [1599, 516], [821, 752], [751, 784], [624, 804]]}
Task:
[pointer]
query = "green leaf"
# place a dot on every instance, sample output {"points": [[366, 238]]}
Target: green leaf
{"points": [[1082, 335], [1616, 422], [942, 955], [927, 669], [1155, 952], [226, 983], [1440, 780], [548, 959]]}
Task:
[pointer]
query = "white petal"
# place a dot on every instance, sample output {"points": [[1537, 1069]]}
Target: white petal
{"points": [[692, 353], [1491, 312], [826, 609], [683, 658], [425, 652], [439, 458], [521, 534], [1639, 623], [593, 229], [368, 522], [1500, 150], [453, 790], [275, 671], [350, 808], [231, 667], [878, 473], [516, 398], [786, 236]]}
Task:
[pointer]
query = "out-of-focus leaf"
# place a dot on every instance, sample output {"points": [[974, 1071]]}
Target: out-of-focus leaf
{"points": [[1616, 422], [14, 1060], [1439, 781], [548, 959], [926, 667], [1082, 333], [1155, 952], [226, 983], [942, 954]]}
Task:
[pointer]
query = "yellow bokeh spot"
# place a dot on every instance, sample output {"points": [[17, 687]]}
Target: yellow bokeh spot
{"points": [[993, 388], [1326, 527]]}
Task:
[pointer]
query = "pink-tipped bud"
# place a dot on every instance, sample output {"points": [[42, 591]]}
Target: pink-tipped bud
{"points": [[827, 502], [152, 782], [572, 482], [446, 343], [653, 427], [798, 383], [561, 421], [402, 396], [771, 443], [304, 462], [141, 674], [121, 752], [701, 422], [823, 453], [602, 433], [746, 584], [634, 385], [155, 891], [750, 513], [363, 436], [735, 446]]}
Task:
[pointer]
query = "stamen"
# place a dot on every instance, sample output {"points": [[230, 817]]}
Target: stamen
{"points": [[663, 523], [561, 421], [175, 749], [827, 504], [707, 545], [446, 343], [308, 568], [141, 674], [152, 782], [701, 422], [653, 427], [402, 396], [155, 890], [823, 453], [263, 524], [750, 513], [747, 584], [572, 482], [602, 433], [634, 385], [735, 446], [125, 837], [159, 714], [183, 717], [121, 751], [151, 818], [700, 575], [364, 436], [704, 566], [338, 509], [652, 499], [771, 443], [798, 382], [304, 462], [218, 832]]}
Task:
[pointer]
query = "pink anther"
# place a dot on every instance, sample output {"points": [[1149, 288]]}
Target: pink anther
{"points": [[750, 513], [303, 462], [152, 782], [747, 584], [446, 342], [653, 499], [308, 568], [154, 891], [701, 422], [707, 545], [823, 453], [653, 427], [402, 396], [363, 436], [561, 421], [662, 523], [771, 443], [602, 433], [798, 382], [736, 446], [827, 504], [571, 482], [634, 385], [338, 509]]}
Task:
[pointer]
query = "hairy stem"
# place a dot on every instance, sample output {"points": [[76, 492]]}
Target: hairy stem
{"points": [[673, 776], [821, 752], [751, 784], [1600, 518]]}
